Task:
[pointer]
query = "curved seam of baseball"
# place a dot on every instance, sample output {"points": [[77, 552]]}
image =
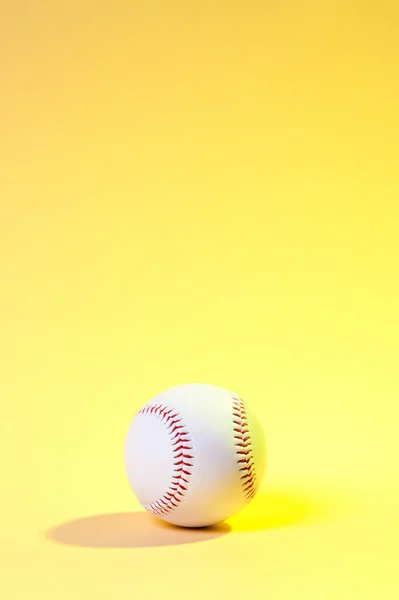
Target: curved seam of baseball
{"points": [[245, 455], [182, 459]]}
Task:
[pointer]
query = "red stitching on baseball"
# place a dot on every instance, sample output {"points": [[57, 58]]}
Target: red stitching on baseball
{"points": [[245, 455], [182, 459]]}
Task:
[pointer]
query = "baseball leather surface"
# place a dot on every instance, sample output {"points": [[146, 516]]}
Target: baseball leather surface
{"points": [[195, 455]]}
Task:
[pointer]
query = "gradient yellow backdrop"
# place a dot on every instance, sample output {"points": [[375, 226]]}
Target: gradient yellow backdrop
{"points": [[199, 191]]}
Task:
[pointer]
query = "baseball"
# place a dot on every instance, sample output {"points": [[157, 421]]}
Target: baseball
{"points": [[195, 455]]}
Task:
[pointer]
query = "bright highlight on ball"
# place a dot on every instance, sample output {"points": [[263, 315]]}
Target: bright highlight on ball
{"points": [[195, 455]]}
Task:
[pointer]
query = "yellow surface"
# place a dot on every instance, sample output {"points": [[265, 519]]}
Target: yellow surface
{"points": [[199, 191]]}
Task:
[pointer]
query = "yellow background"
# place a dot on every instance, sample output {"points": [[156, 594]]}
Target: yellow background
{"points": [[199, 191]]}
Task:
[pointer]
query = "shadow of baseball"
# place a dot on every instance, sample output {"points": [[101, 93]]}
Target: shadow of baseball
{"points": [[271, 509], [129, 530]]}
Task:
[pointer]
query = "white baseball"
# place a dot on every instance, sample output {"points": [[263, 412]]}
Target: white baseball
{"points": [[195, 455]]}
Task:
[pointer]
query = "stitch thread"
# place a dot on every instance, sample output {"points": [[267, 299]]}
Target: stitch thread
{"points": [[182, 459], [245, 455]]}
